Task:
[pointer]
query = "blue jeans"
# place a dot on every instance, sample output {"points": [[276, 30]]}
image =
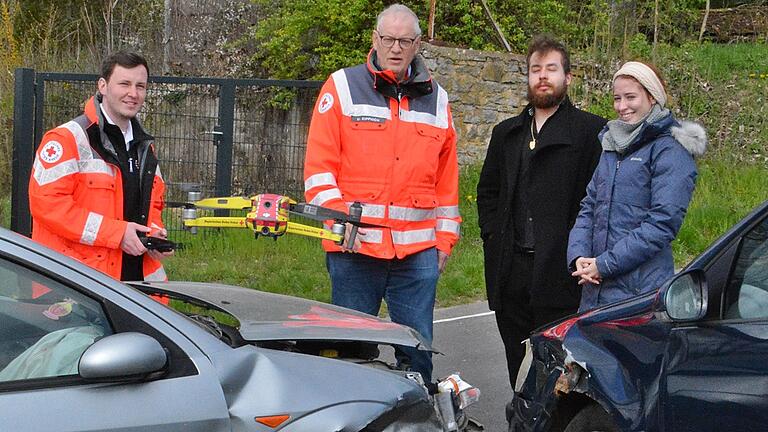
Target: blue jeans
{"points": [[408, 286]]}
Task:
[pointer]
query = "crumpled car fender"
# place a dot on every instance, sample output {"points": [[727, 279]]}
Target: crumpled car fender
{"points": [[317, 393]]}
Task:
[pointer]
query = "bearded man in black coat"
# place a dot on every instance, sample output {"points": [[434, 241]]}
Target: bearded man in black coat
{"points": [[535, 174]]}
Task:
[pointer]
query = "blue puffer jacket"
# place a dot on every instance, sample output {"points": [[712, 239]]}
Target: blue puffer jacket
{"points": [[634, 207]]}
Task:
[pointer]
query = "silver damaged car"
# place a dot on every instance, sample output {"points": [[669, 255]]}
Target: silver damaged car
{"points": [[80, 351]]}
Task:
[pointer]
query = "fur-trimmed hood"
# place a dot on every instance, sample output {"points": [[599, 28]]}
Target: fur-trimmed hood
{"points": [[692, 136]]}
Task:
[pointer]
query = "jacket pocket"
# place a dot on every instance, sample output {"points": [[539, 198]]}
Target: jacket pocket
{"points": [[99, 194], [100, 182], [370, 136], [361, 190], [92, 256], [431, 132], [424, 200]]}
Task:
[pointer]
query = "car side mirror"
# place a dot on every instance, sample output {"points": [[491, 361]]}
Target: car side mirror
{"points": [[122, 357], [685, 296]]}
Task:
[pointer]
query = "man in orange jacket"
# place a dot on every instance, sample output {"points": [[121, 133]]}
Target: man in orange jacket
{"points": [[382, 135], [96, 185]]}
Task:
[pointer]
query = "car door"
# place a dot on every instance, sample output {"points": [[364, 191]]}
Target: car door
{"points": [[49, 315], [716, 370]]}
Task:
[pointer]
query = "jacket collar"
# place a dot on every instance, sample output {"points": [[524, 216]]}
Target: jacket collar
{"points": [[418, 83], [558, 130], [524, 116], [95, 116]]}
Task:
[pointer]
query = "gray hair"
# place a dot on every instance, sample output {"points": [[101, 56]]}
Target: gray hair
{"points": [[399, 9]]}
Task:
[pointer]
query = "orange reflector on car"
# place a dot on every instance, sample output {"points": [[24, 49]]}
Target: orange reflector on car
{"points": [[273, 421]]}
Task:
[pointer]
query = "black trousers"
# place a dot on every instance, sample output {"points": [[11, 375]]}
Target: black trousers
{"points": [[517, 318]]}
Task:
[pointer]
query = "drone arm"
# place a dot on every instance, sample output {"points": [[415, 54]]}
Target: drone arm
{"points": [[215, 222], [322, 233]]}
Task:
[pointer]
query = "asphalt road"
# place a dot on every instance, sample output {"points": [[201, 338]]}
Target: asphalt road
{"points": [[469, 340]]}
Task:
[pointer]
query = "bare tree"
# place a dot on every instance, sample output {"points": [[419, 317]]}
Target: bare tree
{"points": [[496, 27], [655, 29], [167, 8], [431, 26], [108, 14], [704, 22]]}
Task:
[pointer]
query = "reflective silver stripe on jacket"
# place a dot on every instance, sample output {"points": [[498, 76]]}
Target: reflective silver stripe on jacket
{"points": [[86, 162], [320, 179], [325, 196], [372, 235], [413, 236], [84, 149], [91, 229], [157, 276], [448, 211], [410, 214], [448, 225], [439, 120], [371, 210], [44, 175], [348, 108]]}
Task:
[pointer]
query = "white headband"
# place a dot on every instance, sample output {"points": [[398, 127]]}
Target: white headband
{"points": [[646, 77]]}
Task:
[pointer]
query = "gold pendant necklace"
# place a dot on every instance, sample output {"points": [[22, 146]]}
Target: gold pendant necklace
{"points": [[532, 144]]}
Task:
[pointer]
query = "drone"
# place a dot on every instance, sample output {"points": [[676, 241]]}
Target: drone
{"points": [[268, 215]]}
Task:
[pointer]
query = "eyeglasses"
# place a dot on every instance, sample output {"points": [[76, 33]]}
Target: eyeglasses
{"points": [[389, 41]]}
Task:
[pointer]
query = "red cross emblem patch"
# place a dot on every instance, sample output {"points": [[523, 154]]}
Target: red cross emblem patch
{"points": [[326, 102], [51, 152]]}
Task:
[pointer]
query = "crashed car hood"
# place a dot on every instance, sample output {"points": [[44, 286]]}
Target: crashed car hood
{"points": [[266, 316]]}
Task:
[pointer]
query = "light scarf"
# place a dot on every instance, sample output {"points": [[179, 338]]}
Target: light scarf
{"points": [[621, 135]]}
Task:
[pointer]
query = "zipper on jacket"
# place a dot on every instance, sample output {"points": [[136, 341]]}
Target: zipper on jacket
{"points": [[610, 206]]}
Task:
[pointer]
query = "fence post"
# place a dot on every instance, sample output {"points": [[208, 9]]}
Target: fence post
{"points": [[23, 148], [227, 128]]}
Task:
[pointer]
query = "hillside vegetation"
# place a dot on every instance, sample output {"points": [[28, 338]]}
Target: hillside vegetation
{"points": [[723, 86]]}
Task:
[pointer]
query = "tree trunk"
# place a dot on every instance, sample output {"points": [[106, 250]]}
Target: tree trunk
{"points": [[167, 9], [431, 27], [655, 30], [109, 8], [495, 26], [704, 22]]}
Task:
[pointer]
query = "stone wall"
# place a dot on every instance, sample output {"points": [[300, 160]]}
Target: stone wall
{"points": [[483, 88]]}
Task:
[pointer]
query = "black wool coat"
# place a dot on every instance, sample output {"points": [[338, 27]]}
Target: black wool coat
{"points": [[560, 167]]}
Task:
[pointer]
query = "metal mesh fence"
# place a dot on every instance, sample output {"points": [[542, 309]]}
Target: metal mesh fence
{"points": [[243, 142], [269, 140]]}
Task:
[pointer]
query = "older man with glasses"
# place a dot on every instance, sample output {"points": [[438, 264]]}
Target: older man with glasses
{"points": [[382, 135]]}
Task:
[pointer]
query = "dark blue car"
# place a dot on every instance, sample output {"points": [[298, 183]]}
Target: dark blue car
{"points": [[692, 356]]}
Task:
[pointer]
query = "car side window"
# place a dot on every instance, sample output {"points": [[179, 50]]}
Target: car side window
{"points": [[747, 295], [45, 326]]}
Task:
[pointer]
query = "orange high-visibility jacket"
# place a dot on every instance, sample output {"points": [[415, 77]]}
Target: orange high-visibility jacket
{"points": [[76, 194], [391, 147]]}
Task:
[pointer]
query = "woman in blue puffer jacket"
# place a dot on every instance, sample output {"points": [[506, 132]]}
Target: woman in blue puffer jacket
{"points": [[620, 245]]}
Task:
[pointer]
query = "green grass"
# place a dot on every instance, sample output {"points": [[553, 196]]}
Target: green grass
{"points": [[722, 63], [724, 194], [295, 265], [723, 86]]}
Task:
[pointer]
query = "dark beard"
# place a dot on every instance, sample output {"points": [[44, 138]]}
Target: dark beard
{"points": [[547, 100]]}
